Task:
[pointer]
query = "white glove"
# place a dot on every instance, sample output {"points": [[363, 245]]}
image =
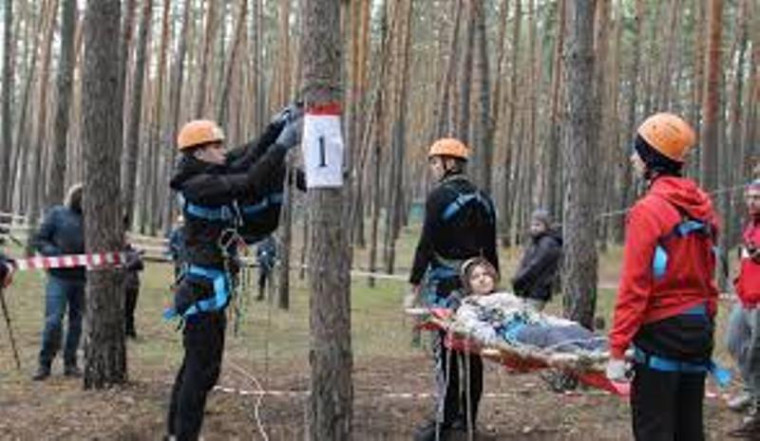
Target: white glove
{"points": [[617, 370]]}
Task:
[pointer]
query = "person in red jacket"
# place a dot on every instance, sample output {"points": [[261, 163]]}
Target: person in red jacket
{"points": [[743, 332], [667, 299]]}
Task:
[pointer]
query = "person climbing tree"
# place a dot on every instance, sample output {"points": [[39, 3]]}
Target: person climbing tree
{"points": [[210, 184]]}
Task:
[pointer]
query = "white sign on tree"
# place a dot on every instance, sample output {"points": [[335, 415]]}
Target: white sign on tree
{"points": [[322, 150]]}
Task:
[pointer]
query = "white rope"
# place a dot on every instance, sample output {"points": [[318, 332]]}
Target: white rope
{"points": [[259, 394]]}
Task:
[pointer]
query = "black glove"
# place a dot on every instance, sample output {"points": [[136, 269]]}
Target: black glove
{"points": [[289, 113], [290, 135]]}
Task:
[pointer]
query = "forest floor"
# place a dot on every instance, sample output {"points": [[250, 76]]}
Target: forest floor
{"points": [[392, 379]]}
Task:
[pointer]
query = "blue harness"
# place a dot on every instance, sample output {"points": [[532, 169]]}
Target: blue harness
{"points": [[683, 229], [220, 299], [462, 200], [266, 202], [721, 375]]}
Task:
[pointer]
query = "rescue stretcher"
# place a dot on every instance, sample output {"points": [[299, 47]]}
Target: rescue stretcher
{"points": [[588, 367]]}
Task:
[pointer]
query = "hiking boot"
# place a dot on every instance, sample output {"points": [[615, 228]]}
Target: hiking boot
{"points": [[71, 370], [42, 373], [749, 429], [740, 402], [427, 432]]}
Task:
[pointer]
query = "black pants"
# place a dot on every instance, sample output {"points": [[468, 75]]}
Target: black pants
{"points": [[129, 310], [667, 406], [263, 277], [204, 343], [451, 393]]}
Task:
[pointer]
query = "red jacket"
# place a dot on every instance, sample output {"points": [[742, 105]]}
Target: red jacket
{"points": [[747, 283], [688, 279]]}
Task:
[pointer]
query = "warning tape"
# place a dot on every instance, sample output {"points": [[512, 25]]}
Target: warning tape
{"points": [[94, 260]]}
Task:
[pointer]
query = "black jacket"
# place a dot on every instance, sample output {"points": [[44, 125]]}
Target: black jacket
{"points": [[61, 233], [470, 232], [214, 186], [266, 217], [539, 267]]}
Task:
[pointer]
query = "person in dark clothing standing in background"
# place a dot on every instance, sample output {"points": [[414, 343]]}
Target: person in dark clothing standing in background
{"points": [[460, 223], [132, 267], [266, 256], [176, 245], [537, 274], [62, 233], [210, 182], [667, 298]]}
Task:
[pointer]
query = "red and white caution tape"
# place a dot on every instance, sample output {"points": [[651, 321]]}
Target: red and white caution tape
{"points": [[94, 260]]}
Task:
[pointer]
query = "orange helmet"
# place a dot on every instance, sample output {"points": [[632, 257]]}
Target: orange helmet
{"points": [[668, 134], [449, 147], [197, 132]]}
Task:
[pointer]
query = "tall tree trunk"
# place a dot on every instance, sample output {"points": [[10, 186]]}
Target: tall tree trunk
{"points": [[178, 79], [709, 141], [286, 239], [157, 130], [444, 126], [627, 178], [7, 103], [378, 141], [231, 64], [509, 145], [63, 104], [465, 78], [105, 350], [554, 179], [486, 121], [580, 256], [208, 43], [38, 178], [132, 138], [330, 403]]}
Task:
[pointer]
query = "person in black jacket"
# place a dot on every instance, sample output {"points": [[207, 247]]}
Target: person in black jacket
{"points": [[133, 264], [62, 233], [210, 182], [460, 223], [537, 274]]}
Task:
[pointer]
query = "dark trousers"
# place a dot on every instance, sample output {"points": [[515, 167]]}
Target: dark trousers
{"points": [[130, 303], [204, 343], [451, 393], [667, 406], [61, 294], [263, 277]]}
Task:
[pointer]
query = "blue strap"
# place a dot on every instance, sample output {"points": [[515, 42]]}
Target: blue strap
{"points": [[461, 201], [268, 201], [660, 259], [690, 226], [659, 262], [721, 375], [223, 213], [512, 329], [221, 292]]}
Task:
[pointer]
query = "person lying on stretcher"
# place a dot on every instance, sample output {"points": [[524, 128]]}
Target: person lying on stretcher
{"points": [[490, 316]]}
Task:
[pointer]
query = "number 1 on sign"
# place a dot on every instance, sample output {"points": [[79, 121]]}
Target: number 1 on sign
{"points": [[322, 154]]}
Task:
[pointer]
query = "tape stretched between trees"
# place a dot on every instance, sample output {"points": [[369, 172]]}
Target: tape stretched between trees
{"points": [[93, 260]]}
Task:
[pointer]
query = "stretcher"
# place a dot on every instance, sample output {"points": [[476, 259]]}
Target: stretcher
{"points": [[588, 367]]}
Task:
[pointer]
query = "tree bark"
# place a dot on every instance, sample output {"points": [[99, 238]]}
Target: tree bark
{"points": [[105, 350], [7, 103], [709, 139], [330, 357], [63, 104], [580, 255], [132, 138]]}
